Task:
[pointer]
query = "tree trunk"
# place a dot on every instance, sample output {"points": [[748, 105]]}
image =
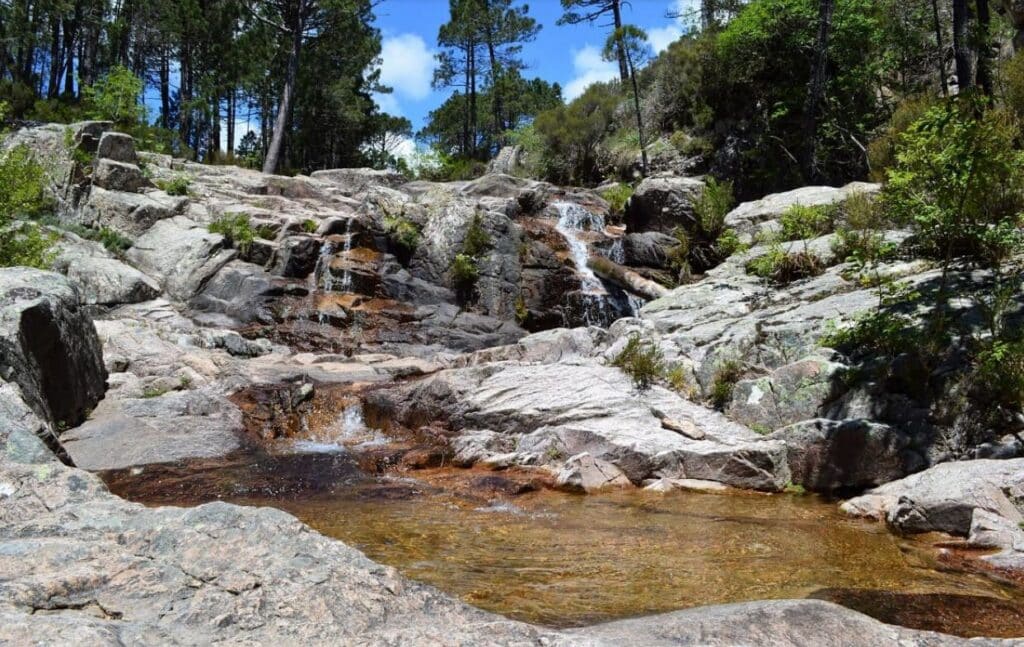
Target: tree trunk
{"points": [[961, 50], [816, 88], [473, 128], [941, 48], [70, 31], [232, 95], [619, 45], [639, 118], [287, 94], [984, 53], [165, 90], [53, 86]]}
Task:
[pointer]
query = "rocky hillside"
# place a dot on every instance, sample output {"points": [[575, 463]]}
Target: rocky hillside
{"points": [[501, 323]]}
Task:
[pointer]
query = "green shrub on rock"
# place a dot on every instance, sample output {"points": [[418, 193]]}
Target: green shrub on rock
{"points": [[403, 231], [23, 196], [236, 229], [178, 185], [643, 363]]}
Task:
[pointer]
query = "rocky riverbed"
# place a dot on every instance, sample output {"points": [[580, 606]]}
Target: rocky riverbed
{"points": [[194, 346]]}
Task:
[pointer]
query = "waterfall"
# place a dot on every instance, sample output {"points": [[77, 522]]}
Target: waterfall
{"points": [[349, 430], [346, 277], [617, 252], [322, 277], [573, 219]]}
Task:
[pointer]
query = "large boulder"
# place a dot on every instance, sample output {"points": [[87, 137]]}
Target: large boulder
{"points": [[131, 214], [663, 203], [750, 218], [789, 394], [946, 497], [830, 455], [49, 348], [119, 176], [101, 279], [351, 181], [648, 249], [117, 147], [181, 255]]}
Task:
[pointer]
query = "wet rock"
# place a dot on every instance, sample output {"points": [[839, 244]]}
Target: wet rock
{"points": [[297, 256], [584, 473], [662, 204], [49, 347], [829, 455]]}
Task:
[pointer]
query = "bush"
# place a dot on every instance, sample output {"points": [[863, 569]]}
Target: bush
{"points": [[26, 244], [178, 185], [784, 267], [728, 373], [999, 374], [22, 186], [958, 179], [236, 229], [402, 231], [310, 226], [465, 274], [860, 239], [882, 149], [643, 363], [115, 97], [477, 240], [266, 232], [713, 205], [729, 243], [617, 196], [801, 222], [112, 240]]}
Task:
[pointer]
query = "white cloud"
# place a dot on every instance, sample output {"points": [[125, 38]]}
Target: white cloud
{"points": [[661, 37], [589, 68], [387, 103], [407, 65]]}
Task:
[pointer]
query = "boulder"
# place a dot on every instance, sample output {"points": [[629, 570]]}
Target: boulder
{"points": [[662, 204], [584, 473], [49, 348], [751, 217], [242, 292], [297, 256], [101, 279], [22, 431], [944, 497], [351, 181], [648, 249], [119, 176], [181, 255], [118, 147], [496, 185], [830, 455], [789, 394], [131, 214]]}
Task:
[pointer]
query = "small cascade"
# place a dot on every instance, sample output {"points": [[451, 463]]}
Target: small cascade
{"points": [[349, 430], [572, 220], [346, 277], [322, 277]]}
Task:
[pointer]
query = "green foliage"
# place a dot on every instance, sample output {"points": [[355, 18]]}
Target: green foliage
{"points": [[882, 149], [642, 362], [402, 231], [729, 243], [999, 374], [713, 205], [794, 488], [310, 226], [783, 267], [154, 391], [26, 244], [678, 380], [22, 186], [115, 243], [178, 185], [465, 273], [266, 232], [116, 97], [801, 222], [236, 229], [522, 313], [859, 238], [572, 135], [959, 182], [477, 240], [1013, 84], [617, 196], [727, 374]]}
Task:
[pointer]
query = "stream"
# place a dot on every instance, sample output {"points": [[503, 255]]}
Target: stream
{"points": [[565, 560]]}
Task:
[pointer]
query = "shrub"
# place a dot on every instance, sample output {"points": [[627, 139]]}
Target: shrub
{"points": [[522, 313], [178, 185], [403, 231], [727, 374], [26, 244], [310, 226], [22, 186], [115, 97], [477, 240], [643, 363], [713, 205], [784, 267], [801, 222], [465, 273], [678, 380], [266, 232], [858, 238], [1012, 77], [882, 150], [617, 196], [999, 374], [957, 178], [729, 243], [236, 229]]}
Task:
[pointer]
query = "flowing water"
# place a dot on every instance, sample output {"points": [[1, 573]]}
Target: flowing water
{"points": [[573, 220], [565, 560]]}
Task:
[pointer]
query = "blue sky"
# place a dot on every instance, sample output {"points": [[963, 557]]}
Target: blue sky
{"points": [[569, 55]]}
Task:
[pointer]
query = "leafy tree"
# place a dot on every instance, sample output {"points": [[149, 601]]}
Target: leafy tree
{"points": [[631, 42], [572, 134], [117, 97], [390, 132]]}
